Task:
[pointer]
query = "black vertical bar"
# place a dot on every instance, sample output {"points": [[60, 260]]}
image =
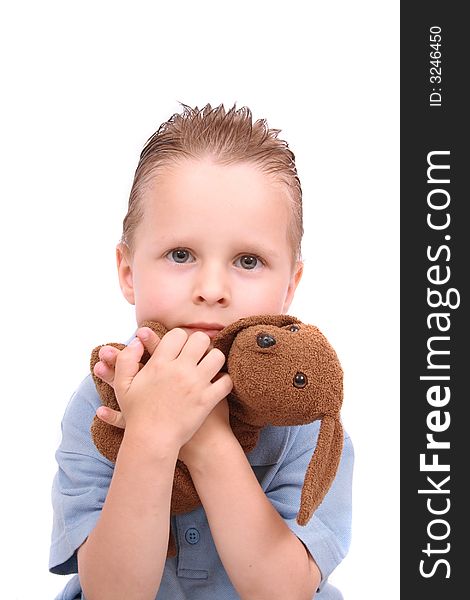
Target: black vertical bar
{"points": [[435, 269]]}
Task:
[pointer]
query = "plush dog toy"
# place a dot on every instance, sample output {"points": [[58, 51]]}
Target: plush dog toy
{"points": [[284, 373]]}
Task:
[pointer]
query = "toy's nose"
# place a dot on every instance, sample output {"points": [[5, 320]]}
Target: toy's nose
{"points": [[264, 340]]}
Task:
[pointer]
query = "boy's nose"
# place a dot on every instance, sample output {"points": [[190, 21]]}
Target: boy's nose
{"points": [[211, 286]]}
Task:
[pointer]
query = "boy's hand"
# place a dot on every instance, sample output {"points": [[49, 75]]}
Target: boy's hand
{"points": [[105, 369], [173, 392]]}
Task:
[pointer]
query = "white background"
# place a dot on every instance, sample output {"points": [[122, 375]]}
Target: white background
{"points": [[84, 85]]}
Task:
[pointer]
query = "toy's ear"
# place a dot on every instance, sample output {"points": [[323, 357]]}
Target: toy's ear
{"points": [[224, 339], [322, 467]]}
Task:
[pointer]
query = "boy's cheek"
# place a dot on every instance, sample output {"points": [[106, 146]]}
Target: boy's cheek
{"points": [[148, 309], [156, 304], [263, 304]]}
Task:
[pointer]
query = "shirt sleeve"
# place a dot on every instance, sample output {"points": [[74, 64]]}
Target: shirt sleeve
{"points": [[81, 482], [327, 535]]}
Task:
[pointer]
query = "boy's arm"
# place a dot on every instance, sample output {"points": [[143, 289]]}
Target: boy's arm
{"points": [[162, 404], [262, 556], [125, 554]]}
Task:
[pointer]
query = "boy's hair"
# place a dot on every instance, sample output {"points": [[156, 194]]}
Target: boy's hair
{"points": [[228, 137]]}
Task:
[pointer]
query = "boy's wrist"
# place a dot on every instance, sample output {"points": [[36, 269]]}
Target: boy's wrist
{"points": [[203, 457], [150, 443]]}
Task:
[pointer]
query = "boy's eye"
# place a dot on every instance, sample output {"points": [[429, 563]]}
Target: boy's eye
{"points": [[180, 255], [247, 261]]}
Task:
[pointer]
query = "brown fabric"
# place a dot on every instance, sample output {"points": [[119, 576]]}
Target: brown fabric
{"points": [[294, 381]]}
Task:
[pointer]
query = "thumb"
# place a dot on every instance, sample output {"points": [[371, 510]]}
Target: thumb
{"points": [[110, 416], [127, 366], [149, 339]]}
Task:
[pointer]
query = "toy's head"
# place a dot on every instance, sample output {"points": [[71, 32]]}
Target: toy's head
{"points": [[283, 371]]}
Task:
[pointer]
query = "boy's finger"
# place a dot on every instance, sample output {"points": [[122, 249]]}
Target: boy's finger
{"points": [[110, 416], [108, 355], [170, 345], [127, 366], [195, 347], [104, 372], [148, 338], [220, 389], [211, 364]]}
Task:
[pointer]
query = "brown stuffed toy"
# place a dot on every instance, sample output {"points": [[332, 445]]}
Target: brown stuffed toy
{"points": [[284, 373]]}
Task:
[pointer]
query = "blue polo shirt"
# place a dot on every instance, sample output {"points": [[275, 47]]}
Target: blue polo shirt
{"points": [[279, 461]]}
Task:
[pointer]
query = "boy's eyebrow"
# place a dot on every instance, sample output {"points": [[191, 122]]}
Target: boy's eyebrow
{"points": [[258, 249]]}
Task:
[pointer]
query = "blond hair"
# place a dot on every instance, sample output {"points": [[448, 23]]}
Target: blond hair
{"points": [[228, 137]]}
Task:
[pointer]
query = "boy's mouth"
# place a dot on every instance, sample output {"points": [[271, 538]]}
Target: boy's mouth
{"points": [[211, 329]]}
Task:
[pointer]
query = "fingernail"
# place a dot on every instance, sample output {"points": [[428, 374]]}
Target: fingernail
{"points": [[134, 342], [144, 335]]}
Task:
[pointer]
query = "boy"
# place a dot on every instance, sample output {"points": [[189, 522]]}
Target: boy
{"points": [[212, 235]]}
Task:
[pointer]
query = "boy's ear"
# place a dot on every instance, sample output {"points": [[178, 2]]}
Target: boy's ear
{"points": [[294, 282], [124, 267]]}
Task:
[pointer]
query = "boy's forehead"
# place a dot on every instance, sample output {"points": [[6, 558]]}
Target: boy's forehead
{"points": [[190, 233], [172, 220], [201, 188]]}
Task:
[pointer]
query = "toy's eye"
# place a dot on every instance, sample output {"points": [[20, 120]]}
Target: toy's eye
{"points": [[264, 340], [294, 328], [300, 380]]}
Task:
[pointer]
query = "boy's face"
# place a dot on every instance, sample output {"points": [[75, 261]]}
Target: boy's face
{"points": [[211, 248]]}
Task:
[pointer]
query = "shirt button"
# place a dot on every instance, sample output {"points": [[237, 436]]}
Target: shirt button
{"points": [[192, 536]]}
